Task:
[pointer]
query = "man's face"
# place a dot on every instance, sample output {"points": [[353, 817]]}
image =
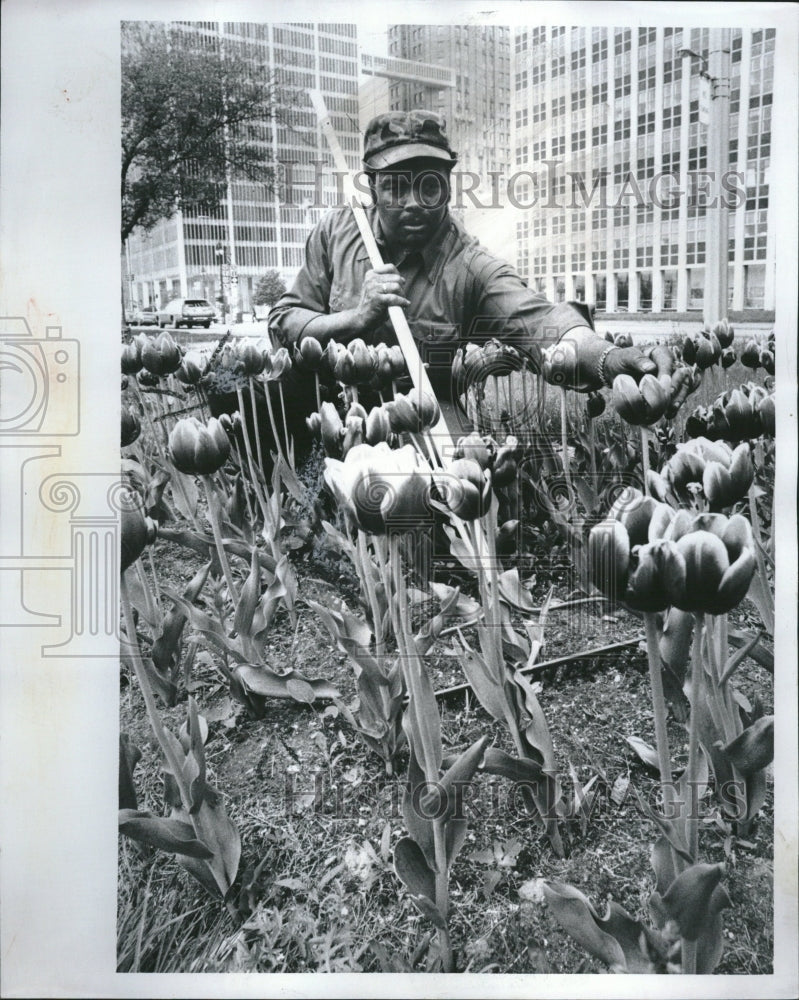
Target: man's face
{"points": [[411, 199]]}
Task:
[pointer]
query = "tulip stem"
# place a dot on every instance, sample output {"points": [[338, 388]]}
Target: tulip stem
{"points": [[289, 440], [564, 445], [318, 392], [592, 447], [213, 516], [768, 612], [255, 427], [442, 894], [147, 693], [271, 412], [658, 705], [697, 682], [256, 485], [366, 576], [645, 458]]}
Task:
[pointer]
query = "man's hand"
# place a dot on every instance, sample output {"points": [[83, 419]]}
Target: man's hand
{"points": [[382, 288], [657, 361]]}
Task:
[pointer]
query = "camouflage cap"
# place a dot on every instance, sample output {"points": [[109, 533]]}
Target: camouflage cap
{"points": [[405, 135]]}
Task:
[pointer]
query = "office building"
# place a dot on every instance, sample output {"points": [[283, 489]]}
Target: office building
{"points": [[257, 228], [617, 103]]}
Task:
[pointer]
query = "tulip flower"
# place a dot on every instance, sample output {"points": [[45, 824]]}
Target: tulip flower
{"points": [[331, 429], [131, 357], [464, 488], [503, 466], [364, 361], [384, 369], [767, 362], [309, 355], [475, 447], [314, 424], [740, 416], [641, 403], [382, 488], [507, 538], [719, 558], [137, 532], [728, 357], [131, 426], [276, 365], [725, 484], [250, 358], [197, 449], [725, 333], [689, 351], [192, 368], [595, 405], [767, 415], [705, 353], [644, 518], [161, 355], [412, 412], [378, 426], [398, 366], [750, 355], [353, 433]]}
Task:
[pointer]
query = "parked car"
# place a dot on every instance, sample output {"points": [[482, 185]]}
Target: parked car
{"points": [[146, 316], [186, 312]]}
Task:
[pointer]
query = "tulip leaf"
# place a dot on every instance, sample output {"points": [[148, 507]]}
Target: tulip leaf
{"points": [[577, 917], [754, 748], [694, 897], [171, 835], [490, 692], [412, 869], [738, 658], [418, 825], [644, 751], [512, 591], [517, 769], [248, 599], [669, 828], [661, 859], [450, 787], [129, 757], [186, 497], [759, 653]]}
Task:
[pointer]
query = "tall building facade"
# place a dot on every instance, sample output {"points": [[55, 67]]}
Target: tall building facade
{"points": [[477, 109], [257, 228], [621, 103]]}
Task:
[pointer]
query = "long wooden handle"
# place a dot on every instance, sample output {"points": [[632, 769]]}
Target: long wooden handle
{"points": [[440, 432]]}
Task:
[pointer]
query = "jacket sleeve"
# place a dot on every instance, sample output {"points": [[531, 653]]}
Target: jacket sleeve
{"points": [[502, 306], [309, 296]]}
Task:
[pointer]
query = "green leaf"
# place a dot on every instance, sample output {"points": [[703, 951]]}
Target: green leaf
{"points": [[186, 499], [662, 862], [171, 835], [420, 827], [577, 917], [694, 897], [754, 748], [738, 658], [488, 690], [669, 828], [761, 655], [418, 878], [450, 787], [644, 751], [512, 591], [300, 690], [248, 599], [129, 757]]}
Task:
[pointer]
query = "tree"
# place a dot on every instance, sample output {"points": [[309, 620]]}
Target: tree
{"points": [[269, 289], [192, 115]]}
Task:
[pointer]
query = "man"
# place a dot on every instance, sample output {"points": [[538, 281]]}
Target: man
{"points": [[451, 288]]}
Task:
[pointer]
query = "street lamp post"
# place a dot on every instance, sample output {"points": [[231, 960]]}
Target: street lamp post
{"points": [[220, 253], [717, 72]]}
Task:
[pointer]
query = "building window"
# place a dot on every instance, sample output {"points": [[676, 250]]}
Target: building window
{"points": [[621, 86], [537, 75], [646, 35], [599, 260], [599, 93], [622, 41], [578, 60], [558, 107], [599, 50], [578, 140], [646, 123], [621, 129], [520, 80], [520, 41], [539, 112], [578, 100], [558, 145], [558, 225], [558, 66], [599, 135], [621, 254], [521, 117], [539, 226]]}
